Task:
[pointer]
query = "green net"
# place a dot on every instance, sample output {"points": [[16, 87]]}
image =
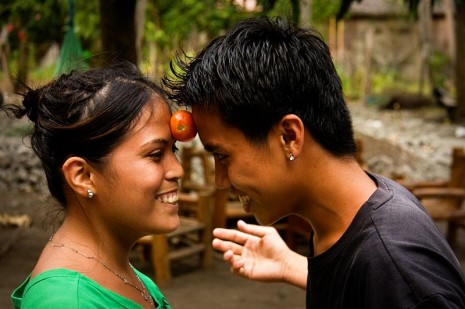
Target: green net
{"points": [[71, 55]]}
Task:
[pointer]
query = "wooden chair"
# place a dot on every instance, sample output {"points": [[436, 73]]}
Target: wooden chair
{"points": [[193, 237], [444, 199], [199, 170], [227, 207]]}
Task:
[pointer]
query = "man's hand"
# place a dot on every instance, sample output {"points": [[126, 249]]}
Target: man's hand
{"points": [[259, 253]]}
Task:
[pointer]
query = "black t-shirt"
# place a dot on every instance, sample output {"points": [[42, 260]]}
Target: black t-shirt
{"points": [[391, 256]]}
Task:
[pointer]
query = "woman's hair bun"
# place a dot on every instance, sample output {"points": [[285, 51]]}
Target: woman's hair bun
{"points": [[31, 104]]}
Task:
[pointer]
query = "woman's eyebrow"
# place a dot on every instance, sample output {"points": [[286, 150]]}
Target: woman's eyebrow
{"points": [[156, 141]]}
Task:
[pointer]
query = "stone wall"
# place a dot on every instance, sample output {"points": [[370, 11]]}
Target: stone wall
{"points": [[20, 169]]}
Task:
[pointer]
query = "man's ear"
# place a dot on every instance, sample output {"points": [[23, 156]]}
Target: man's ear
{"points": [[292, 132], [78, 175]]}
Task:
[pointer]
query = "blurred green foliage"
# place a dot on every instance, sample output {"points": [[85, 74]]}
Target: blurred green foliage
{"points": [[172, 25], [351, 83], [168, 24], [38, 21], [441, 69]]}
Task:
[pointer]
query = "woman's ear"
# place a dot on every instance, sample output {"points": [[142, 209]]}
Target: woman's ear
{"points": [[292, 132], [78, 175]]}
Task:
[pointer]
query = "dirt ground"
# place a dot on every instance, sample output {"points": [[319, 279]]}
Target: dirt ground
{"points": [[191, 287]]}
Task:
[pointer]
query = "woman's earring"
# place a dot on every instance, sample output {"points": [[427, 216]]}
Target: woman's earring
{"points": [[291, 157], [90, 194]]}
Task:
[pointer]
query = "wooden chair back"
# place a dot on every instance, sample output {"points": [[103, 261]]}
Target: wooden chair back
{"points": [[199, 169], [444, 201], [457, 173]]}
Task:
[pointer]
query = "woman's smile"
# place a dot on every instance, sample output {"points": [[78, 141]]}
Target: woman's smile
{"points": [[168, 198]]}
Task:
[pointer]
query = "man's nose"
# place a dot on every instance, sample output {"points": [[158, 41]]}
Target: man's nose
{"points": [[221, 177]]}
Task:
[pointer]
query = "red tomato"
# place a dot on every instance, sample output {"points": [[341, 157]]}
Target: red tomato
{"points": [[182, 126]]}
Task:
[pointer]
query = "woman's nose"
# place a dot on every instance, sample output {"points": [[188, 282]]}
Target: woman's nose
{"points": [[175, 170]]}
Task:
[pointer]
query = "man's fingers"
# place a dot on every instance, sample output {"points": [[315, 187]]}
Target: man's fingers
{"points": [[232, 235], [237, 262], [246, 231], [224, 246], [253, 229]]}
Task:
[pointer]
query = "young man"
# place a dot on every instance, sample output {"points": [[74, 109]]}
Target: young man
{"points": [[268, 103]]}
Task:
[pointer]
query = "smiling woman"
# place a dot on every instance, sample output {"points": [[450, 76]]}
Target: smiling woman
{"points": [[104, 139]]}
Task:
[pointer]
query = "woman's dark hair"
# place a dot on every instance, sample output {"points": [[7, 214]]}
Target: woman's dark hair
{"points": [[85, 114], [261, 70]]}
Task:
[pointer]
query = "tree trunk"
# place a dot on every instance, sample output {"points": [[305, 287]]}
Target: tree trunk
{"points": [[460, 61], [366, 82], [23, 67], [305, 13], [332, 36], [424, 27], [449, 10], [4, 61], [295, 11], [140, 21], [153, 60], [117, 23], [341, 47]]}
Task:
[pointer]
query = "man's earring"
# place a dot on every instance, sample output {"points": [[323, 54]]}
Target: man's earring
{"points": [[90, 194], [291, 157]]}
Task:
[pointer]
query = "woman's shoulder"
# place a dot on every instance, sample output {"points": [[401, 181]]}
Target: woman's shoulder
{"points": [[49, 287]]}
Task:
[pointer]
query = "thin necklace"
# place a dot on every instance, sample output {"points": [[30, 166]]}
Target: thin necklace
{"points": [[144, 292]]}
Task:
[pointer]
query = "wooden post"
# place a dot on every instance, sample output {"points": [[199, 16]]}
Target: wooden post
{"points": [[161, 262], [340, 26], [219, 212], [366, 82]]}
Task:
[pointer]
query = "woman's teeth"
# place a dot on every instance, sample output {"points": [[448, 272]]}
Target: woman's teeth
{"points": [[171, 198]]}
